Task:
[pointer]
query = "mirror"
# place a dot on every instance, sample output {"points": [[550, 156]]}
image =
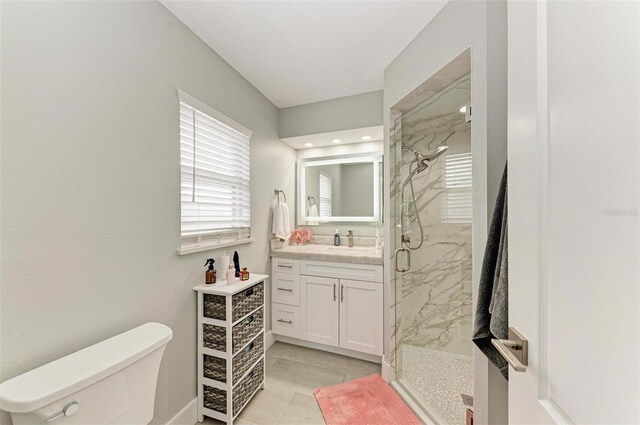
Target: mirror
{"points": [[340, 189]]}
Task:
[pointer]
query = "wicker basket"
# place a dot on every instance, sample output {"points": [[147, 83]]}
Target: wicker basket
{"points": [[245, 388], [248, 328], [247, 357], [215, 368], [215, 399], [214, 337], [214, 306], [248, 300]]}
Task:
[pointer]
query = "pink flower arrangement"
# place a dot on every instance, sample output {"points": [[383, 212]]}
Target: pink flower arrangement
{"points": [[301, 235]]}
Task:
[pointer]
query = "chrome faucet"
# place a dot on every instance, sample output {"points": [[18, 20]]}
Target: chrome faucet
{"points": [[350, 236]]}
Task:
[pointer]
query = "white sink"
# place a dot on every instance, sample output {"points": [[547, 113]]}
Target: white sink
{"points": [[347, 250]]}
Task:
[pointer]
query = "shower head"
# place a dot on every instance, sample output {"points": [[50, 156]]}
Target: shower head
{"points": [[422, 161]]}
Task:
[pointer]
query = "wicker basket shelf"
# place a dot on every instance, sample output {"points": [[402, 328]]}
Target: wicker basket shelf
{"points": [[216, 367], [231, 348]]}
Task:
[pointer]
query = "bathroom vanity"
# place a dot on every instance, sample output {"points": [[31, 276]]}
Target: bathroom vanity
{"points": [[231, 361], [329, 297]]}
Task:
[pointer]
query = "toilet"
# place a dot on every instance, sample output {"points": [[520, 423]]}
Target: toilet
{"points": [[111, 382]]}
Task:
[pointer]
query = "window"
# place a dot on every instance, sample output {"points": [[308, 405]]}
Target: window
{"points": [[456, 203], [214, 178], [325, 195]]}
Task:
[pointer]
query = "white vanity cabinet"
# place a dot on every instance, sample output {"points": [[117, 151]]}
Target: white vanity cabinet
{"points": [[330, 303]]}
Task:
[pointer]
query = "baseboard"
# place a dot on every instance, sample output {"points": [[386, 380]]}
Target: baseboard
{"points": [[187, 416], [269, 339], [387, 371], [336, 350]]}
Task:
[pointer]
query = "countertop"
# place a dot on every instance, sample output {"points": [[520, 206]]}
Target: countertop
{"points": [[221, 287], [339, 254]]}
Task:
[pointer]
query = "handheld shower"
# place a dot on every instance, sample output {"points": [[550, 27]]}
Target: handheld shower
{"points": [[422, 163]]}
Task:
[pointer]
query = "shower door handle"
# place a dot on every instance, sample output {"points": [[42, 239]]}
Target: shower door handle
{"points": [[397, 254]]}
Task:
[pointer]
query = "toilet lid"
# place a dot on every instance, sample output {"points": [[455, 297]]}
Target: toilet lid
{"points": [[60, 378]]}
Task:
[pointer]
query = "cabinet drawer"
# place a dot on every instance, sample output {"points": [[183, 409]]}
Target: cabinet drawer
{"points": [[365, 272], [247, 357], [285, 289], [286, 320], [285, 265], [245, 388], [214, 337], [243, 303], [216, 399], [216, 367], [248, 300], [247, 329]]}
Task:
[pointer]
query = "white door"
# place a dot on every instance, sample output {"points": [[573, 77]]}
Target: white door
{"points": [[361, 316], [320, 309], [574, 227]]}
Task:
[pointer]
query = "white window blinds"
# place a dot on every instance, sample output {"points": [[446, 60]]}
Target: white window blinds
{"points": [[325, 195], [215, 175], [456, 203]]}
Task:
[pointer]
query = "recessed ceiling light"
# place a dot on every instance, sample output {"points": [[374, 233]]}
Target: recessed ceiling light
{"points": [[463, 109], [366, 137], [308, 144], [336, 140]]}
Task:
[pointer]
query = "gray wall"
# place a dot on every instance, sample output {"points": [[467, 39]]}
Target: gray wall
{"points": [[90, 180], [480, 25], [344, 113]]}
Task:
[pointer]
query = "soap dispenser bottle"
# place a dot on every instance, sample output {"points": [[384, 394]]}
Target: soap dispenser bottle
{"points": [[210, 274], [336, 238]]}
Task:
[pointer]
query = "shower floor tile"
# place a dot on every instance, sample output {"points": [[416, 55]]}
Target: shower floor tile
{"points": [[436, 379]]}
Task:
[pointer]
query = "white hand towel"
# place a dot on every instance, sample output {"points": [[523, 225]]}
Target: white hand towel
{"points": [[281, 226], [313, 212]]}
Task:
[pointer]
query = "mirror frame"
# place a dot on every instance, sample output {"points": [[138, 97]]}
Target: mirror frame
{"points": [[372, 157]]}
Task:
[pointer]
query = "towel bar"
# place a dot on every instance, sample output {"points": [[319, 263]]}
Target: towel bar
{"points": [[278, 192]]}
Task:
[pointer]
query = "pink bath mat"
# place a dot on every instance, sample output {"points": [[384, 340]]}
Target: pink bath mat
{"points": [[364, 401]]}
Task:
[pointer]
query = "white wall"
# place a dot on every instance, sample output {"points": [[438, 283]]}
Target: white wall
{"points": [[343, 113], [480, 25], [90, 180]]}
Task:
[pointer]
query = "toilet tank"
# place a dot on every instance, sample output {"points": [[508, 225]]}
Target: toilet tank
{"points": [[111, 382]]}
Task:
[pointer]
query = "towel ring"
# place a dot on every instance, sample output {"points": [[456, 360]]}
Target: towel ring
{"points": [[278, 192], [309, 198]]}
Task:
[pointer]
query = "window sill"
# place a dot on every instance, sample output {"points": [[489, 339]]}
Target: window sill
{"points": [[207, 246]]}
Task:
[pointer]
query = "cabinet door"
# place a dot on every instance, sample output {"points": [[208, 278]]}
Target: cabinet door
{"points": [[361, 316], [320, 309]]}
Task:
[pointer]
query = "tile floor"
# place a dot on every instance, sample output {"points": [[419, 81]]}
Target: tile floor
{"points": [[292, 374]]}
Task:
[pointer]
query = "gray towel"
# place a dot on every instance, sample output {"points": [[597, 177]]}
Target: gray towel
{"points": [[492, 310]]}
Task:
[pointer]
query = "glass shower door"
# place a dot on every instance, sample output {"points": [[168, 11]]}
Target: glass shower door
{"points": [[433, 297]]}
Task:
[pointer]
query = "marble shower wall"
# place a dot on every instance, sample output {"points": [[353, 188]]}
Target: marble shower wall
{"points": [[433, 299]]}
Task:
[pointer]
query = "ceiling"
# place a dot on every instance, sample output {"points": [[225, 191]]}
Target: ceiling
{"points": [[298, 52], [344, 137]]}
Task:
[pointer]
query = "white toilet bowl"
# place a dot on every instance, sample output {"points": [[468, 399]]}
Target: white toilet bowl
{"points": [[111, 382]]}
